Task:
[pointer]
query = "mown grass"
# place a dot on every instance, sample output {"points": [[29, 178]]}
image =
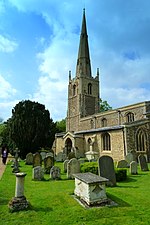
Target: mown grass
{"points": [[52, 201]]}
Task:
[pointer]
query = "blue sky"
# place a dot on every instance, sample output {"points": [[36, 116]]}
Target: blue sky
{"points": [[39, 42]]}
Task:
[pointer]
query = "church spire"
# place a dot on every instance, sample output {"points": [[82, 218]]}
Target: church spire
{"points": [[83, 67]]}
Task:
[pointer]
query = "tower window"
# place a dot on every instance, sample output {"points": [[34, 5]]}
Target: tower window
{"points": [[74, 90], [130, 117], [106, 142], [89, 88]]}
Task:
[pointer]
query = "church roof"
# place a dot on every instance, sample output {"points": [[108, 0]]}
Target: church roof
{"points": [[102, 129]]}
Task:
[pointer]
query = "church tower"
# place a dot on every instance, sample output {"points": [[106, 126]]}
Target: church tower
{"points": [[83, 90]]}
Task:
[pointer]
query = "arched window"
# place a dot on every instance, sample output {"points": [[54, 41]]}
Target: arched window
{"points": [[141, 141], [104, 122], [106, 145], [89, 88], [129, 117], [74, 90]]}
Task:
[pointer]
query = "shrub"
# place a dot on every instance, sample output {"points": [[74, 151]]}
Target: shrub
{"points": [[121, 174], [89, 167]]}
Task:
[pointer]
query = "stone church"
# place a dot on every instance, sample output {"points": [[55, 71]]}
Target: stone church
{"points": [[91, 133]]}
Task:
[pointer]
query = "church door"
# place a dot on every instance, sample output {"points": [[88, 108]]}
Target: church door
{"points": [[68, 146]]}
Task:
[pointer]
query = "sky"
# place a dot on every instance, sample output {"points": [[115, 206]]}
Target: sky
{"points": [[39, 42]]}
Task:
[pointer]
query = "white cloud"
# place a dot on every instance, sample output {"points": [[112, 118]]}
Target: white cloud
{"points": [[6, 109], [6, 90], [55, 63], [118, 97], [7, 45]]}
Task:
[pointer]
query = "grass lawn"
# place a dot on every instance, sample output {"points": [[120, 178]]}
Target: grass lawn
{"points": [[52, 201]]}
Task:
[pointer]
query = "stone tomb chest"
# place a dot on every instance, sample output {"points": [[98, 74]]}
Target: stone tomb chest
{"points": [[90, 188]]}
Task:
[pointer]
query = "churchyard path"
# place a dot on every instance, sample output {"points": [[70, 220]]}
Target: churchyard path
{"points": [[2, 168]]}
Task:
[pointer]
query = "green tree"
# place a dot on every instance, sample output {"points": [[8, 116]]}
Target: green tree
{"points": [[104, 106], [5, 139], [29, 127], [61, 125]]}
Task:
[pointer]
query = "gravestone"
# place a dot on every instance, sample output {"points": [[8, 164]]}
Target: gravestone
{"points": [[16, 162], [65, 165], [50, 154], [43, 155], [73, 167], [37, 160], [55, 173], [122, 164], [48, 163], [71, 155], [143, 163], [130, 157], [106, 169], [133, 168], [38, 173], [60, 157], [29, 159]]}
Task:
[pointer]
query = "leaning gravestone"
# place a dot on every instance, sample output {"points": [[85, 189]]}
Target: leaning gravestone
{"points": [[29, 159], [122, 164], [38, 173], [73, 167], [48, 163], [37, 160], [133, 168], [143, 163], [55, 173], [106, 169]]}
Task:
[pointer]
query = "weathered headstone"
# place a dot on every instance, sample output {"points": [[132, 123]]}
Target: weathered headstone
{"points": [[43, 155], [65, 165], [106, 169], [122, 164], [133, 168], [48, 163], [38, 173], [73, 167], [143, 163], [16, 162], [130, 157], [29, 159], [37, 159], [71, 155], [55, 173], [60, 157]]}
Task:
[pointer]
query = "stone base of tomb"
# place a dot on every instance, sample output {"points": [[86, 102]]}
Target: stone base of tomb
{"points": [[106, 202], [18, 204]]}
